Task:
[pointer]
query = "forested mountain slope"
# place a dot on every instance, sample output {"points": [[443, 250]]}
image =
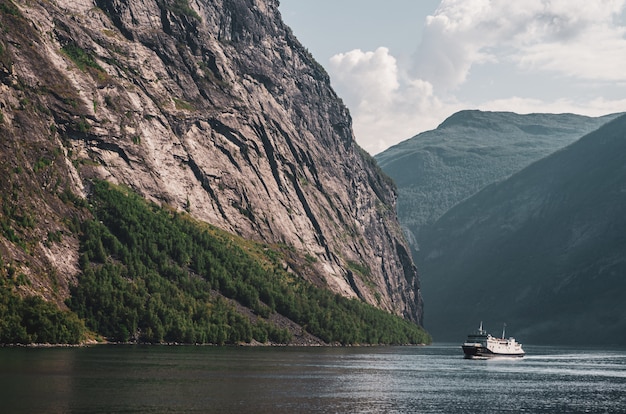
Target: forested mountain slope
{"points": [[209, 107], [543, 251], [468, 151]]}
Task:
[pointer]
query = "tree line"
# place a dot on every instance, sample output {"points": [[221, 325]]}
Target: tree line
{"points": [[152, 275]]}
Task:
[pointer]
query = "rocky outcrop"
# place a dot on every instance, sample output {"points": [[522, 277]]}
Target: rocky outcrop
{"points": [[207, 106]]}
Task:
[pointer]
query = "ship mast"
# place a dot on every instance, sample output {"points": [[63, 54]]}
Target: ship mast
{"points": [[503, 330]]}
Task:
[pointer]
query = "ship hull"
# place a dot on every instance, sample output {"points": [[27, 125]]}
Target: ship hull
{"points": [[483, 352]]}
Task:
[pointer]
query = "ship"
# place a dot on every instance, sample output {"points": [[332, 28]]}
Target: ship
{"points": [[480, 344]]}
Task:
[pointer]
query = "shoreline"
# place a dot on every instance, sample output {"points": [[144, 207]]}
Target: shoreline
{"points": [[243, 345]]}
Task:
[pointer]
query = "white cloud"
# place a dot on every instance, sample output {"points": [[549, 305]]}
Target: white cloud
{"points": [[386, 105], [576, 38], [576, 48], [594, 107], [366, 78]]}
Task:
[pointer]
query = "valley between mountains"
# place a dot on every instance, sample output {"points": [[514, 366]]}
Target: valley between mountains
{"points": [[177, 171]]}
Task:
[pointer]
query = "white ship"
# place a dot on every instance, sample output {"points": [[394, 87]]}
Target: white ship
{"points": [[482, 344]]}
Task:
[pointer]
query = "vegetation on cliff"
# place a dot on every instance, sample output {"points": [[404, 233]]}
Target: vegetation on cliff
{"points": [[154, 275], [191, 109], [33, 320]]}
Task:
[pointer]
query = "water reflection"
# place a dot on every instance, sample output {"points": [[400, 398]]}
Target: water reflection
{"points": [[36, 381], [318, 380]]}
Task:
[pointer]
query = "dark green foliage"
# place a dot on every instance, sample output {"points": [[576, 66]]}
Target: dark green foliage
{"points": [[33, 320], [67, 196], [42, 163], [8, 8], [359, 268], [180, 7], [153, 275], [80, 57]]}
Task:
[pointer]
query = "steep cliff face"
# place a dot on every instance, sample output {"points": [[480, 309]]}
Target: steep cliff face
{"points": [[207, 106]]}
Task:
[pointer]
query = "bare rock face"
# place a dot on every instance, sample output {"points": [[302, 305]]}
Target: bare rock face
{"points": [[209, 106]]}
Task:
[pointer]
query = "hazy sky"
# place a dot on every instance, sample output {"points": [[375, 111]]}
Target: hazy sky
{"points": [[403, 66]]}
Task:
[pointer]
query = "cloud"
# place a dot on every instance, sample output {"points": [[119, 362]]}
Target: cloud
{"points": [[530, 56], [366, 78], [594, 107], [575, 38], [386, 105]]}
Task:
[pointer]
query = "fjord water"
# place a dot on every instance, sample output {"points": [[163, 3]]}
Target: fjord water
{"points": [[432, 379]]}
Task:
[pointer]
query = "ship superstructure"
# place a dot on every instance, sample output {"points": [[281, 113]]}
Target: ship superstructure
{"points": [[482, 344]]}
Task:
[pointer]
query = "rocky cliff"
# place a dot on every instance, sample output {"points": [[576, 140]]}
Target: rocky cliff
{"points": [[208, 106]]}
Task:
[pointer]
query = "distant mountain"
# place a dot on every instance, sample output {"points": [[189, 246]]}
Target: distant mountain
{"points": [[543, 251], [437, 169]]}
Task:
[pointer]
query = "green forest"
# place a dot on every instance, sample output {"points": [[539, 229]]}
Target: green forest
{"points": [[33, 320], [153, 275]]}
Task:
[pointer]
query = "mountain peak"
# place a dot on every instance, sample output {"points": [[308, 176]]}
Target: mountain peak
{"points": [[474, 118]]}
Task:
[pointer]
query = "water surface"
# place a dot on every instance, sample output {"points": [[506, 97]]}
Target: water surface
{"points": [[432, 379]]}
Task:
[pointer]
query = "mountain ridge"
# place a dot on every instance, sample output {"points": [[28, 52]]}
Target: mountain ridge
{"points": [[471, 149], [541, 251]]}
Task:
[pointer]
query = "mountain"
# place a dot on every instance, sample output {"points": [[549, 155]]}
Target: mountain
{"points": [[543, 251], [210, 107], [471, 149]]}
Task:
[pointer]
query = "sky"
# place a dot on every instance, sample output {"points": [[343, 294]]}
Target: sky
{"points": [[403, 66]]}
